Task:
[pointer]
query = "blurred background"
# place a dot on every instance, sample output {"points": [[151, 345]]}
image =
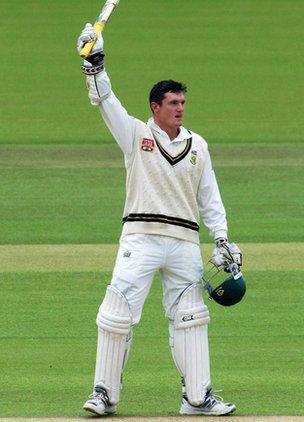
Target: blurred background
{"points": [[242, 61]]}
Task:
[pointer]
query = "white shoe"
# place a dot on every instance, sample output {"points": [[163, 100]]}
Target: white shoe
{"points": [[212, 406], [99, 402]]}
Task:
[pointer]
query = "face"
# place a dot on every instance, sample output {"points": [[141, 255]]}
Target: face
{"points": [[171, 111]]}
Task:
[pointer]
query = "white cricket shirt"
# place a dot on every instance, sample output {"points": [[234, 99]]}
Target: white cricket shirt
{"points": [[170, 183]]}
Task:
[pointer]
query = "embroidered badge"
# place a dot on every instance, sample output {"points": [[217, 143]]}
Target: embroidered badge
{"points": [[193, 157], [147, 144]]}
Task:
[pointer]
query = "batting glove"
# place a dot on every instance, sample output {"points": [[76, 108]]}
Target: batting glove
{"points": [[226, 253], [94, 63]]}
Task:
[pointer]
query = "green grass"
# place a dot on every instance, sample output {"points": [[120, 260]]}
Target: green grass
{"points": [[74, 195], [62, 183], [241, 60], [64, 195], [101, 257], [48, 347]]}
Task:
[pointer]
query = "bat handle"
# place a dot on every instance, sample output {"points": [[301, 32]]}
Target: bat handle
{"points": [[98, 27]]}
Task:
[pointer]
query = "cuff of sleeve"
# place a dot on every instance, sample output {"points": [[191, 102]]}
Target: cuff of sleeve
{"points": [[99, 87], [220, 233]]}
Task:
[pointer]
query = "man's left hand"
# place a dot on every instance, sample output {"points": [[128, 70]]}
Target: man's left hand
{"points": [[226, 253]]}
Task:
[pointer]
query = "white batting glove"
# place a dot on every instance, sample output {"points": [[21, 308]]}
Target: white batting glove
{"points": [[94, 63], [226, 253]]}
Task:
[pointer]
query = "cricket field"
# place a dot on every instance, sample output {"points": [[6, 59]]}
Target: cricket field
{"points": [[62, 194]]}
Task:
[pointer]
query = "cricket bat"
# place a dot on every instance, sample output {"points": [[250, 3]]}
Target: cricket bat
{"points": [[99, 25]]}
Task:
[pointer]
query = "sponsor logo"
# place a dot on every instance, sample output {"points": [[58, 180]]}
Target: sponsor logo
{"points": [[147, 144], [127, 254], [186, 318], [193, 157]]}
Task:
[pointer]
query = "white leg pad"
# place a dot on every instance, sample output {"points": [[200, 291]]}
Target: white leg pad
{"points": [[114, 337], [189, 344]]}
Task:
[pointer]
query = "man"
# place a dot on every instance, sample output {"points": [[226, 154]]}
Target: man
{"points": [[170, 184]]}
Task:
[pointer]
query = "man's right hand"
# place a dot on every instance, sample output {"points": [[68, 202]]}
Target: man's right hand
{"points": [[94, 63]]}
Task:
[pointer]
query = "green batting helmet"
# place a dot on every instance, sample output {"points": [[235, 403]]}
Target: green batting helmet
{"points": [[231, 290]]}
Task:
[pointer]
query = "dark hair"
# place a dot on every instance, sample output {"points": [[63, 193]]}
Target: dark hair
{"points": [[157, 93]]}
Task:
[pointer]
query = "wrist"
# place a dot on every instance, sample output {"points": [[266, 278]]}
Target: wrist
{"points": [[93, 64], [220, 233], [88, 69], [220, 241], [96, 59]]}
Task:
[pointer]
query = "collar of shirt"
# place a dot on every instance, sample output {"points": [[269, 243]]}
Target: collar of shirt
{"points": [[182, 136]]}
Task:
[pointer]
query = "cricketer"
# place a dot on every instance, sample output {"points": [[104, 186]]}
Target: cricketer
{"points": [[170, 186]]}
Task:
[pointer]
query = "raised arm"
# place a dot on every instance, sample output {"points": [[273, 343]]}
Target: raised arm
{"points": [[116, 117]]}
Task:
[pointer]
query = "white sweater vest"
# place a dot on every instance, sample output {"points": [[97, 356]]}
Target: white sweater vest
{"points": [[161, 190]]}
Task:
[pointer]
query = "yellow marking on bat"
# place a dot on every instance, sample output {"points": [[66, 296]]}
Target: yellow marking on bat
{"points": [[98, 27]]}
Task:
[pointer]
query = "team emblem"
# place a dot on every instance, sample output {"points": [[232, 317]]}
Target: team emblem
{"points": [[193, 157], [147, 144], [220, 291]]}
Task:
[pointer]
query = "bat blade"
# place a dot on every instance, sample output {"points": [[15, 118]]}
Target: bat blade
{"points": [[107, 10]]}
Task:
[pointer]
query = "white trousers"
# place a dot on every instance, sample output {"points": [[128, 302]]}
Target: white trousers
{"points": [[180, 266], [141, 255]]}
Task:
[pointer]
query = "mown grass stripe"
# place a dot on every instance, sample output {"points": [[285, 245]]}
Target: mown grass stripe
{"points": [[110, 156], [166, 419], [48, 258]]}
